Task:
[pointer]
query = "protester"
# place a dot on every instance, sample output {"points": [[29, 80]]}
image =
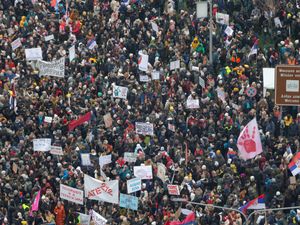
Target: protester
{"points": [[154, 56]]}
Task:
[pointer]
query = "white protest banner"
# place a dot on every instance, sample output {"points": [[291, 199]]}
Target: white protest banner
{"points": [[33, 54], [103, 160], [201, 82], [55, 68], [120, 92], [101, 191], [143, 172], [71, 194], [107, 120], [222, 18], [144, 78], [134, 185], [16, 44], [84, 219], [129, 156], [154, 26], [98, 219], [144, 128], [56, 150], [48, 119], [161, 171], [143, 61], [42, 144], [72, 53], [175, 65], [192, 103], [129, 202], [49, 37], [155, 75], [228, 31], [269, 78], [173, 189], [85, 159]]}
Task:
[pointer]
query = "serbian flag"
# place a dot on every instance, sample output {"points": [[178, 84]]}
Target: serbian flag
{"points": [[257, 203], [295, 164], [75, 123], [249, 143], [189, 220], [254, 48], [35, 204]]}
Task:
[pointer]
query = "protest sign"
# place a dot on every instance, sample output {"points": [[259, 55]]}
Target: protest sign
{"points": [[84, 219], [144, 128], [221, 94], [143, 172], [201, 82], [85, 159], [101, 191], [49, 37], [161, 171], [154, 26], [175, 65], [120, 92], [42, 144], [55, 68], [277, 22], [134, 185], [171, 127], [91, 44], [98, 219], [269, 78], [15, 167], [33, 54], [143, 61], [222, 18], [107, 120], [16, 44], [144, 78], [129, 202], [192, 103], [173, 189], [228, 31], [56, 150], [72, 53], [48, 119], [129, 156], [103, 160], [155, 75], [71, 194]]}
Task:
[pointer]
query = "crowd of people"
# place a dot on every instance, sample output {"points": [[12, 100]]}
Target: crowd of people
{"points": [[197, 146]]}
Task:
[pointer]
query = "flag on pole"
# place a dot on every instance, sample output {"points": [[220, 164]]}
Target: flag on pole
{"points": [[254, 48], [75, 123], [13, 98], [257, 203], [189, 220], [294, 165], [249, 143], [35, 204]]}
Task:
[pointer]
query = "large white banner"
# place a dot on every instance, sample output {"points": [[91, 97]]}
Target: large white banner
{"points": [[97, 218], [71, 194], [33, 54], [143, 61], [101, 191], [84, 219], [120, 92], [144, 128], [134, 185], [55, 68], [42, 144], [143, 172]]}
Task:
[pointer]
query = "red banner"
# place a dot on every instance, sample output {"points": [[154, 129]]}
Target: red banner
{"points": [[75, 123]]}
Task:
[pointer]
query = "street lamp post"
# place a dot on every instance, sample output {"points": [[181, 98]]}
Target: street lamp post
{"points": [[210, 32]]}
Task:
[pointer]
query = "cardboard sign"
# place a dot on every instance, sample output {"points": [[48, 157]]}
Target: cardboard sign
{"points": [[228, 31], [49, 37], [130, 157], [48, 119], [129, 202], [134, 185], [144, 78], [144, 128], [55, 68], [33, 54], [173, 189], [175, 65], [107, 120], [56, 150], [103, 160], [192, 103], [143, 61], [120, 92], [42, 144], [71, 194], [85, 159], [143, 172], [155, 75]]}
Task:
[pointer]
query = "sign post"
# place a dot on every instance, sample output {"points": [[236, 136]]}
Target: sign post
{"points": [[287, 85]]}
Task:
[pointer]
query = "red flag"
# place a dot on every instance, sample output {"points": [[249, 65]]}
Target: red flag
{"points": [[53, 3], [189, 220], [75, 123]]}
